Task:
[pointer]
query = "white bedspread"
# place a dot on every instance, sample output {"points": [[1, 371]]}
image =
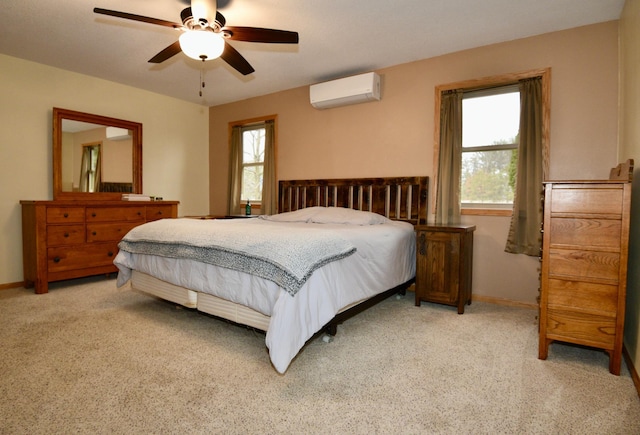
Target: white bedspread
{"points": [[385, 258]]}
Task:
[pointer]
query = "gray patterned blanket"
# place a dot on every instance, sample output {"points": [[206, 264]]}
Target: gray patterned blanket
{"points": [[278, 252]]}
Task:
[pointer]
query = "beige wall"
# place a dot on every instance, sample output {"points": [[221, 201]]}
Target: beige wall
{"points": [[395, 136], [175, 146], [630, 148]]}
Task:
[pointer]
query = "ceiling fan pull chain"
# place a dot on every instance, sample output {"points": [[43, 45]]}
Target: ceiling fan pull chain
{"points": [[201, 80]]}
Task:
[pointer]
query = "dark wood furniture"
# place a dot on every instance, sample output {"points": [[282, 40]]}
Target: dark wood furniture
{"points": [[401, 198], [444, 264], [74, 238], [584, 263]]}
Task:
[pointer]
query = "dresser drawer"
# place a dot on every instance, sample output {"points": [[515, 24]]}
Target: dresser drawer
{"points": [[113, 214], [79, 257], [587, 200], [586, 296], [58, 215], [578, 264], [600, 233], [65, 235], [109, 231], [155, 212], [580, 328]]}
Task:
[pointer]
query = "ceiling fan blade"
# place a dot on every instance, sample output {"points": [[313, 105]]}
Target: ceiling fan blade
{"points": [[257, 34], [235, 59], [204, 10], [165, 54], [135, 17]]}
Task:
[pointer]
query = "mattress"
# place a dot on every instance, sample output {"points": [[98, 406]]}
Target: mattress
{"points": [[384, 259]]}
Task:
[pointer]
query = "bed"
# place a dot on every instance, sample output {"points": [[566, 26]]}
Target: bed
{"points": [[336, 247]]}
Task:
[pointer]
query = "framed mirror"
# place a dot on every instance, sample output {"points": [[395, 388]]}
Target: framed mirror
{"points": [[95, 157]]}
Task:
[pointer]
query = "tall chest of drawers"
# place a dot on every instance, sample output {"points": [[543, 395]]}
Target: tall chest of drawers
{"points": [[584, 265], [72, 239]]}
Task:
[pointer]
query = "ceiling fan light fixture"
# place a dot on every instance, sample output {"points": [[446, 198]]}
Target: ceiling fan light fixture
{"points": [[202, 44]]}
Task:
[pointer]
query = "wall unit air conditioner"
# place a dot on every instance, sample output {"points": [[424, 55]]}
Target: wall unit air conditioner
{"points": [[117, 133], [348, 90]]}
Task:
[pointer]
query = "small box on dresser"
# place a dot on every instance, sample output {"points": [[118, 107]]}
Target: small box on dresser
{"points": [[444, 264], [73, 239]]}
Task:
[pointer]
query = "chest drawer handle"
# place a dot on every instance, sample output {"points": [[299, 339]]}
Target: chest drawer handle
{"points": [[93, 233], [56, 260], [139, 214], [159, 213], [110, 254], [93, 215], [66, 234], [66, 215]]}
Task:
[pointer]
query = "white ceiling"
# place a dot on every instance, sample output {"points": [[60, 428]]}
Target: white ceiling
{"points": [[337, 38]]}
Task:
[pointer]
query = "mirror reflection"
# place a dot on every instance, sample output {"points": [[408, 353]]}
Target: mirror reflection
{"points": [[95, 157]]}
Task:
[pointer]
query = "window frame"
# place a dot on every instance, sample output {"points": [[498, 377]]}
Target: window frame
{"points": [[247, 123], [485, 83]]}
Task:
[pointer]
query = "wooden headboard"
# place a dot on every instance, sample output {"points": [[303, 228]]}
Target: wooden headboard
{"points": [[401, 198]]}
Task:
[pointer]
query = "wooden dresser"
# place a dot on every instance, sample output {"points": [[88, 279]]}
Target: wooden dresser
{"points": [[72, 239], [584, 265], [444, 264]]}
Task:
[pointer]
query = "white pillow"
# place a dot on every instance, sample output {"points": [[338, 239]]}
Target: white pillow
{"points": [[329, 215], [301, 215], [341, 215]]}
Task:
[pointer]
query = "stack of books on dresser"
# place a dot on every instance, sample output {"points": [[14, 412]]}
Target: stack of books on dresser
{"points": [[135, 197]]}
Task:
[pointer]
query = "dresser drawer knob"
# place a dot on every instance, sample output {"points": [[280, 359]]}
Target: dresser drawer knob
{"points": [[93, 233], [110, 254], [66, 215], [66, 234], [93, 215], [160, 213], [56, 259]]}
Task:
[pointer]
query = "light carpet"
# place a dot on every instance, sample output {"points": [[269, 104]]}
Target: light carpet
{"points": [[89, 358]]}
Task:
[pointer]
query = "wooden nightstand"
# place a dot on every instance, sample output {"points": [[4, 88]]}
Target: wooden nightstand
{"points": [[444, 264]]}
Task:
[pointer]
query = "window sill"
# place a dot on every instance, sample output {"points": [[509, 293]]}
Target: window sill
{"points": [[486, 212]]}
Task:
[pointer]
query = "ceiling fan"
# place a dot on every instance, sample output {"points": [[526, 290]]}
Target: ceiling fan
{"points": [[204, 34]]}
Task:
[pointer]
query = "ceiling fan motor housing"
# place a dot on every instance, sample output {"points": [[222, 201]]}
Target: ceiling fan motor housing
{"points": [[187, 19]]}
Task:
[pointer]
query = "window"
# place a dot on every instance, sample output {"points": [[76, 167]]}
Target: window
{"points": [[252, 165], [483, 182], [490, 122], [253, 145]]}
